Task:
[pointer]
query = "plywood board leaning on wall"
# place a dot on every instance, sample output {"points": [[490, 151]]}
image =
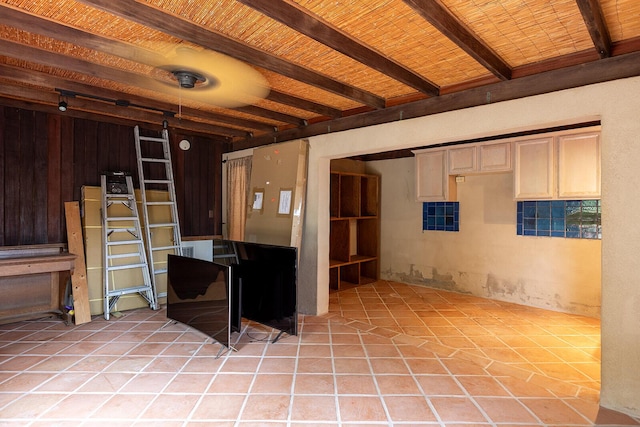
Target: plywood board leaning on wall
{"points": [[92, 227], [277, 194]]}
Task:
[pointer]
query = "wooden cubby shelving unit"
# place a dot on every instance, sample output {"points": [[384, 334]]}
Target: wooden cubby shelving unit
{"points": [[354, 235]]}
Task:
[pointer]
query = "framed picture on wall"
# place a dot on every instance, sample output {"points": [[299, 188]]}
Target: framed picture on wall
{"points": [[284, 203], [258, 199]]}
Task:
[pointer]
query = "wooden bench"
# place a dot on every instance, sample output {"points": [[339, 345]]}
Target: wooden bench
{"points": [[32, 281]]}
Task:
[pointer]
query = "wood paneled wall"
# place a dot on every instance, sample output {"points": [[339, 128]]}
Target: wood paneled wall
{"points": [[45, 159]]}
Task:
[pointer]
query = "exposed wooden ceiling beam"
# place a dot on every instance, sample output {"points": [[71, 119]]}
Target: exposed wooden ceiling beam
{"points": [[301, 21], [450, 26], [186, 30], [617, 67], [275, 115], [594, 19], [303, 104], [52, 82]]}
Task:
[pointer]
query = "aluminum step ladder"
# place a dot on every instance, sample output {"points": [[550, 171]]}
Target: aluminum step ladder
{"points": [[124, 256], [160, 211]]}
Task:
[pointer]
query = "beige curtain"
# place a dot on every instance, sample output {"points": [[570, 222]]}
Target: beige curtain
{"points": [[238, 182]]}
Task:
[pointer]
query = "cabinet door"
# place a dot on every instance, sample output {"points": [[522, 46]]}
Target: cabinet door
{"points": [[431, 174], [495, 157], [533, 169], [579, 166], [462, 160]]}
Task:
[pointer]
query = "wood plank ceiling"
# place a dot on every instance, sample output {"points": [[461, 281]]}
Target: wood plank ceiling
{"points": [[330, 65]]}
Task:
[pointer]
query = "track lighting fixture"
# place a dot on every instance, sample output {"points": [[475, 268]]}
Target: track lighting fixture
{"points": [[62, 104]]}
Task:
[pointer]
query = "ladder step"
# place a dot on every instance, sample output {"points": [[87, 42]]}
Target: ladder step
{"points": [[122, 218], [165, 248], [155, 160], [160, 271], [111, 230], [119, 256], [150, 138], [160, 203], [126, 267], [132, 290], [161, 225], [157, 181], [124, 242]]}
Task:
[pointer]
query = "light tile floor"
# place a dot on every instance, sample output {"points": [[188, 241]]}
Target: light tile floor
{"points": [[386, 354]]}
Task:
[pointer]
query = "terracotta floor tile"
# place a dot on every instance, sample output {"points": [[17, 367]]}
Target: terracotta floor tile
{"points": [[409, 409], [355, 384], [218, 408], [31, 406], [439, 385], [264, 407], [457, 409], [272, 383], [364, 370], [361, 408], [231, 383], [314, 384], [351, 366], [397, 384], [314, 408], [189, 383], [554, 411]]}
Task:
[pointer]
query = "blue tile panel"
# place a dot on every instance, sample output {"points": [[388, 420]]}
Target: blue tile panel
{"points": [[580, 219], [444, 216]]}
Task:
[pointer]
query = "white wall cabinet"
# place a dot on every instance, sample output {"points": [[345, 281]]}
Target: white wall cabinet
{"points": [[579, 165], [432, 176], [495, 157], [480, 158], [533, 169], [565, 165]]}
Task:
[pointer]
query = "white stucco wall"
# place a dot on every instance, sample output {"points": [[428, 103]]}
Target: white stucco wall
{"points": [[617, 105], [486, 257]]}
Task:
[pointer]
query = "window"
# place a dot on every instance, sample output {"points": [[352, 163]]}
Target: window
{"points": [[579, 219], [444, 216]]}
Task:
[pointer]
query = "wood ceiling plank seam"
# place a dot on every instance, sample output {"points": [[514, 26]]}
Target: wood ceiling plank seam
{"points": [[313, 27], [179, 27]]}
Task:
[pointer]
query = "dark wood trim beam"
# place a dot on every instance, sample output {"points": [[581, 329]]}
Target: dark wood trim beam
{"points": [[303, 104], [275, 115], [450, 26], [94, 109], [52, 82], [597, 26], [613, 68], [183, 29], [296, 18]]}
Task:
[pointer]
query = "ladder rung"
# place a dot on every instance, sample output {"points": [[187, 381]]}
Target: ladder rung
{"points": [[122, 218], [124, 242], [160, 203], [160, 225], [132, 231], [118, 195], [119, 256], [160, 271], [126, 266], [151, 138], [165, 248], [154, 159], [132, 290], [157, 181]]}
